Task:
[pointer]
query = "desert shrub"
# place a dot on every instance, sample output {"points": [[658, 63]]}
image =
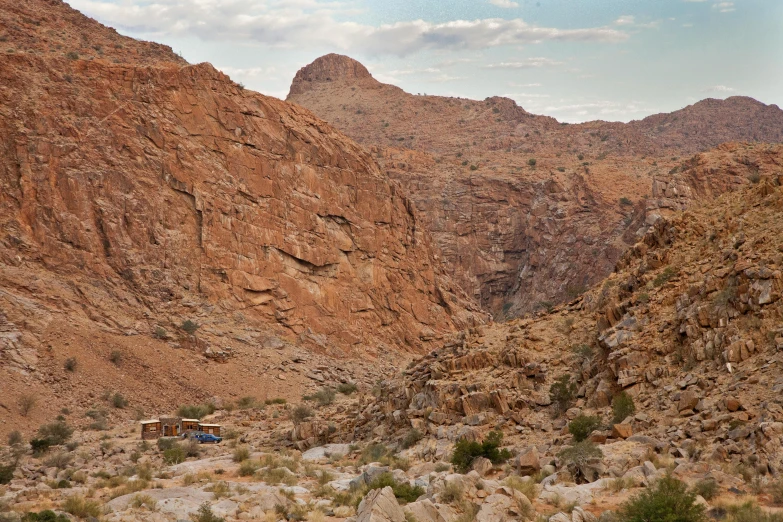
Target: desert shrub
{"points": [[668, 273], [301, 413], [58, 460], [622, 407], [580, 454], [707, 488], [174, 455], [115, 357], [747, 512], [190, 326], [80, 507], [411, 438], [402, 490], [26, 404], [562, 393], [165, 443], [205, 514], [373, 453], [529, 488], [277, 400], [668, 500], [775, 491], [347, 388], [241, 454], [754, 177], [583, 351], [118, 401], [532, 162], [57, 433], [70, 364], [441, 467], [196, 411], [40, 446], [146, 501], [323, 397], [15, 438], [160, 332], [474, 167], [465, 451], [582, 426], [452, 493], [46, 515], [7, 473], [248, 467], [246, 402], [219, 489], [580, 157], [625, 202]]}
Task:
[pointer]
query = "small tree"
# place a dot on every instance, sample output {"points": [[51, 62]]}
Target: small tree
{"points": [[579, 456], [56, 433], [667, 501], [465, 451], [205, 514], [622, 407], [582, 426], [562, 393]]}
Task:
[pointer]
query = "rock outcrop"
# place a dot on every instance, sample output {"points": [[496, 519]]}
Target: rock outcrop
{"points": [[526, 211]]}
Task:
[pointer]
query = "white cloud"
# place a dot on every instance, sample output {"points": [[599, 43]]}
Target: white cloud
{"points": [[719, 88], [506, 4], [303, 24], [524, 85], [625, 20], [528, 63], [724, 7]]}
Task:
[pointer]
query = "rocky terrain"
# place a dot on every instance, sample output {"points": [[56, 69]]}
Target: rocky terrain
{"points": [[149, 205], [525, 211]]}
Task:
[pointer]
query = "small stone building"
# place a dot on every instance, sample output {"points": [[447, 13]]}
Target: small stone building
{"points": [[174, 427]]}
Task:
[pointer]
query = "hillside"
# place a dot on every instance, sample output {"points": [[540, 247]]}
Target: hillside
{"points": [[156, 209], [524, 210]]}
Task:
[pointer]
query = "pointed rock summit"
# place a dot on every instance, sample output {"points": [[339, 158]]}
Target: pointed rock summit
{"points": [[330, 68]]}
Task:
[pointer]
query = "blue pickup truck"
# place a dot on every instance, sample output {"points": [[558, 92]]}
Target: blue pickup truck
{"points": [[202, 438]]}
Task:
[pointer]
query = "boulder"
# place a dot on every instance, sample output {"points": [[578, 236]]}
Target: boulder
{"points": [[380, 505], [622, 431], [481, 465], [427, 511], [528, 462]]}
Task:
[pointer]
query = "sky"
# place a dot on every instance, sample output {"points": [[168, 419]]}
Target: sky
{"points": [[575, 60]]}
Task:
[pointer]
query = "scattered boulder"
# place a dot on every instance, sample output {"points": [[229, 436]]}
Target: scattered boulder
{"points": [[622, 431], [380, 505]]}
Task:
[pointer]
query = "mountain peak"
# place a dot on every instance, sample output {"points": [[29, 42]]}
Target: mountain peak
{"points": [[329, 68]]}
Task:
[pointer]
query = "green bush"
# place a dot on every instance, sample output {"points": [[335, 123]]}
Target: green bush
{"points": [[165, 443], [57, 433], [241, 454], [579, 455], [707, 488], [668, 500], [40, 446], [174, 455], [625, 202], [118, 401], [562, 393], [248, 468], [324, 396], [582, 426], [196, 411], [668, 273], [301, 413], [466, 451], [622, 407], [190, 326], [531, 162], [205, 514], [748, 512], [7, 473], [402, 490]]}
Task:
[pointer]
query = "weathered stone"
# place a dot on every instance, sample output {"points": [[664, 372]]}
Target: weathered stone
{"points": [[527, 462], [380, 505], [622, 431]]}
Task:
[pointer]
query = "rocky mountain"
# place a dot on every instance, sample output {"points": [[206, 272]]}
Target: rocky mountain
{"points": [[525, 211], [145, 200]]}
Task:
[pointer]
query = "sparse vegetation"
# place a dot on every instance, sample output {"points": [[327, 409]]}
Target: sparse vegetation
{"points": [[26, 404], [248, 468], [562, 393], [241, 454], [115, 357], [707, 488], [667, 274], [582, 426], [667, 500], [532, 162], [70, 364], [80, 507], [205, 514], [7, 472], [56, 433], [190, 327], [46, 515], [411, 438], [196, 411], [529, 488], [626, 202], [622, 407], [402, 490], [15, 438], [301, 413], [347, 388], [118, 401], [466, 451], [323, 397], [174, 454], [579, 455], [747, 512]]}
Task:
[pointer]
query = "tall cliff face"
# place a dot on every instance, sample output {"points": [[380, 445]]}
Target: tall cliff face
{"points": [[169, 184], [525, 211]]}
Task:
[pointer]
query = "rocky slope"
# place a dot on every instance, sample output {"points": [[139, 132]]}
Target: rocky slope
{"points": [[524, 210], [689, 325], [144, 199]]}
